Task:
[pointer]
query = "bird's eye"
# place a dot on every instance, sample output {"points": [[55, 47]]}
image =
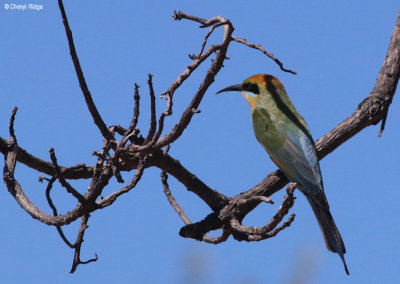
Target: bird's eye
{"points": [[250, 87]]}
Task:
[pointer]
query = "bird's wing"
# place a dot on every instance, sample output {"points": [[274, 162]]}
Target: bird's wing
{"points": [[299, 160], [288, 141]]}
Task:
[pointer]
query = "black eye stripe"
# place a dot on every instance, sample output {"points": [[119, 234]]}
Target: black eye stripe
{"points": [[250, 87]]}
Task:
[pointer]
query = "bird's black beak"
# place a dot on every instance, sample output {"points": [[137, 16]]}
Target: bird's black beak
{"points": [[237, 87]]}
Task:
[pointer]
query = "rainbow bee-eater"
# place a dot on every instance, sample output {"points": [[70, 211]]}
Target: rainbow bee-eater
{"points": [[284, 134]]}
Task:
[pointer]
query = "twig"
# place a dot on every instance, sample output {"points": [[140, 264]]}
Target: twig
{"points": [[216, 66], [131, 131], [248, 233], [171, 199], [267, 53], [62, 180], [82, 81], [136, 111], [209, 78], [179, 15], [383, 124], [178, 209], [148, 145], [110, 199], [283, 210], [13, 138], [55, 213], [193, 57], [78, 244], [256, 198], [153, 122], [211, 197]]}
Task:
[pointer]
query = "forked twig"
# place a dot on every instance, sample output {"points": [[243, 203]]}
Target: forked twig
{"points": [[78, 244], [110, 199], [248, 233], [193, 56]]}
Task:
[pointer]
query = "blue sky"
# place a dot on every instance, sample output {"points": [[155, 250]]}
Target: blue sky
{"points": [[336, 49]]}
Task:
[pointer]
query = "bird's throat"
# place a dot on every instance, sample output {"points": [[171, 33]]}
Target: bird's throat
{"points": [[250, 99]]}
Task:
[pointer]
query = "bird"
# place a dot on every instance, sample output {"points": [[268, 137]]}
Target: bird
{"points": [[285, 135]]}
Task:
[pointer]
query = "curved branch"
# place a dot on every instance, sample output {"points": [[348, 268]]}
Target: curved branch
{"points": [[15, 189]]}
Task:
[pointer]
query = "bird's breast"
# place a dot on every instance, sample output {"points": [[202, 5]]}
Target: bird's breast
{"points": [[266, 131]]}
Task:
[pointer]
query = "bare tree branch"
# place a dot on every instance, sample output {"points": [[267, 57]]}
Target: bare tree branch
{"points": [[112, 197], [55, 213], [78, 244], [153, 122], [267, 53], [81, 78], [135, 118], [62, 180], [172, 200], [247, 233]]}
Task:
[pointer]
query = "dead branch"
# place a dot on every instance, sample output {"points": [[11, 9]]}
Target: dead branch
{"points": [[267, 53], [172, 200], [53, 207], [78, 244], [62, 180], [81, 78]]}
